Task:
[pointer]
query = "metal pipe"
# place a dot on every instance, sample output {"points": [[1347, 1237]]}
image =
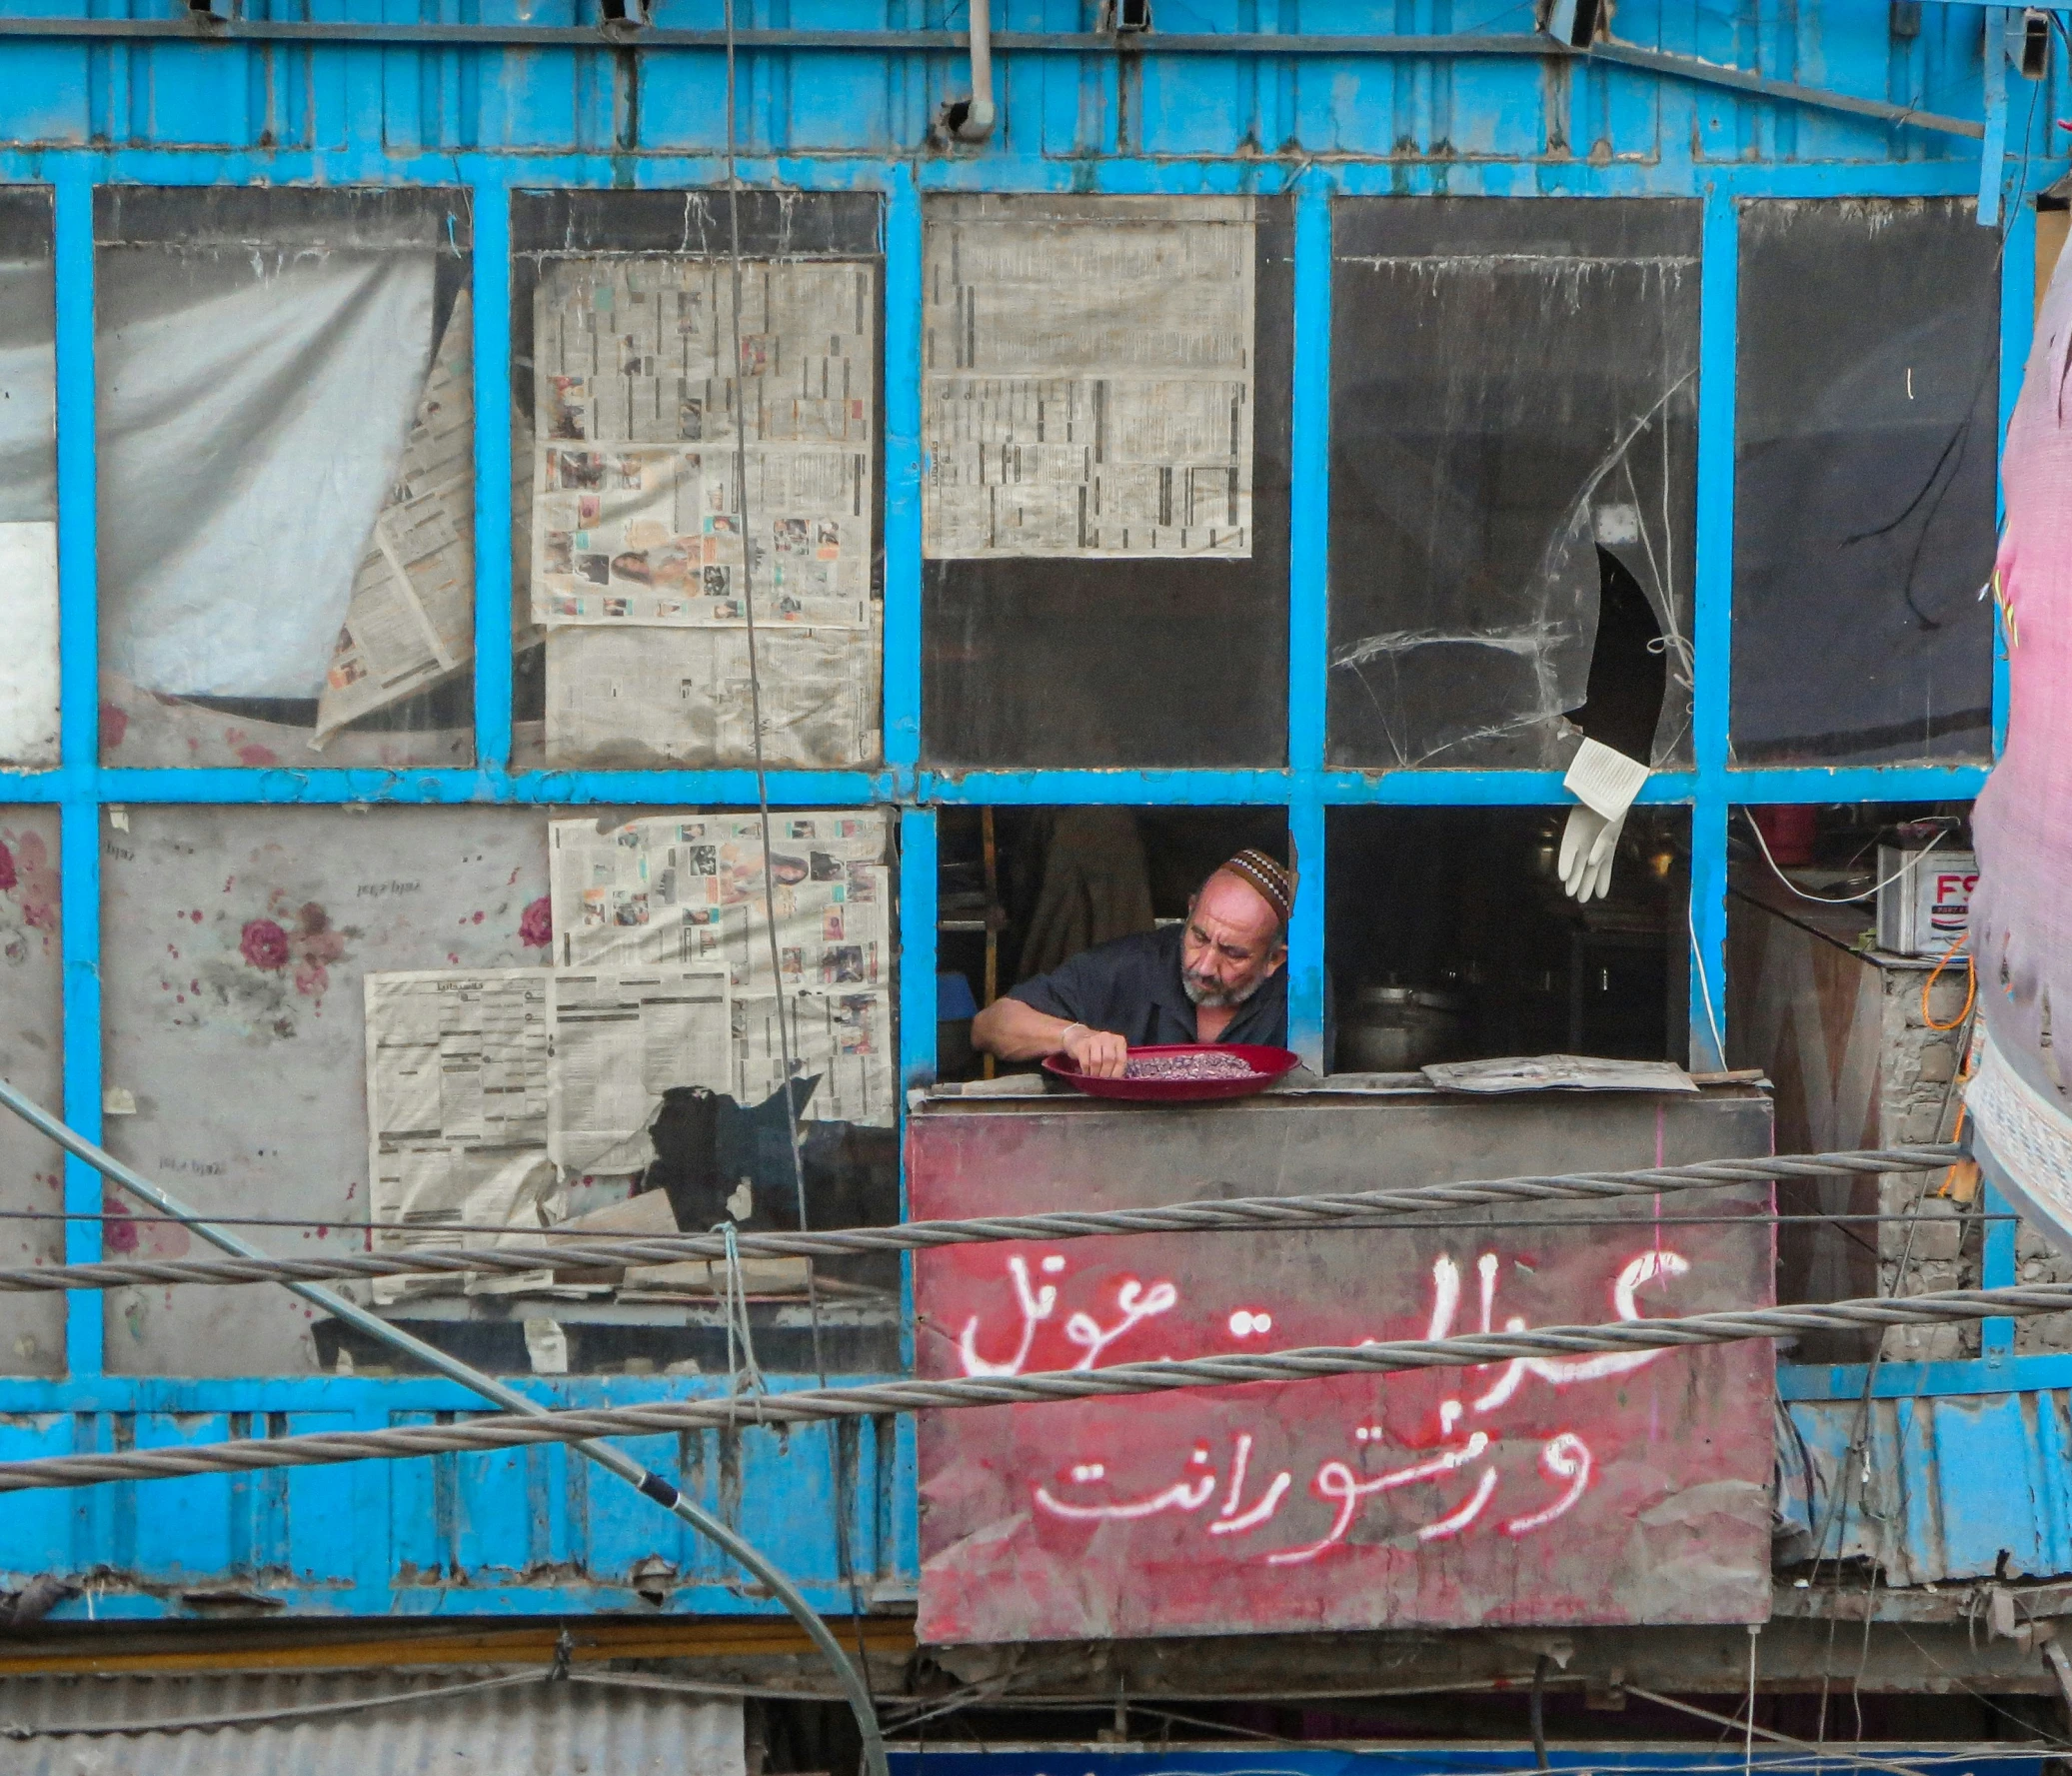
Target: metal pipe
{"points": [[970, 119], [645, 1481]]}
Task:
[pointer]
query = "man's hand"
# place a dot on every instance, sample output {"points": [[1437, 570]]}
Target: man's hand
{"points": [[1016, 1031], [1098, 1053]]}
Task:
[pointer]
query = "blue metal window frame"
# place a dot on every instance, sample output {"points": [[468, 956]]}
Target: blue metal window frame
{"points": [[80, 787]]}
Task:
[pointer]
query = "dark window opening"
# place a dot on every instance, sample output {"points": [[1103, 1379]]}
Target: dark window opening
{"points": [[1089, 664], [1447, 937], [1021, 890], [1836, 1022]]}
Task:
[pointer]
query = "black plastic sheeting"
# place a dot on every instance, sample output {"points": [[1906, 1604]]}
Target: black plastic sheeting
{"points": [[1864, 478]]}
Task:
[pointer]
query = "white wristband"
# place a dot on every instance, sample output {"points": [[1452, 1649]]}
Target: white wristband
{"points": [[1064, 1036]]}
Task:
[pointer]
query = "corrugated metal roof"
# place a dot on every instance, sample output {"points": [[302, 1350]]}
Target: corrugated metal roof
{"points": [[499, 1727]]}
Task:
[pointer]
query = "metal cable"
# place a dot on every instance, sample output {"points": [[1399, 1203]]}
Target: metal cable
{"points": [[810, 1405], [1240, 1213]]}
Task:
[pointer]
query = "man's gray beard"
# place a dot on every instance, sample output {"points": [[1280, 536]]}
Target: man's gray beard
{"points": [[1216, 998]]}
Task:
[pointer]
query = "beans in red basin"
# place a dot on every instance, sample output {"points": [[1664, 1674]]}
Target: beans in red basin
{"points": [[1188, 1067]]}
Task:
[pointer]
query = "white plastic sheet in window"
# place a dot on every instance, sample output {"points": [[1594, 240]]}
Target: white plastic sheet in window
{"points": [[28, 509], [253, 410]]}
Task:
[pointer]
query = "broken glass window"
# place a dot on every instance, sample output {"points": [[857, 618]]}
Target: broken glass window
{"points": [[285, 392], [1863, 483], [1513, 450]]}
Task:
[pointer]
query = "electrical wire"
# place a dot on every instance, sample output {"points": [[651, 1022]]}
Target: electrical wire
{"points": [[844, 1553], [1970, 990], [172, 1274], [1763, 845]]}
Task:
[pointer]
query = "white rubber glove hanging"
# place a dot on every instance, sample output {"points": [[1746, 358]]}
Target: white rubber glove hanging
{"points": [[1604, 783]]}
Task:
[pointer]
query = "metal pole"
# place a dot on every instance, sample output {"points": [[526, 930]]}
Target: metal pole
{"points": [[642, 1480]]}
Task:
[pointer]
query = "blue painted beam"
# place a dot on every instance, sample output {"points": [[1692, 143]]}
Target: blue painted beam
{"points": [[79, 737], [1712, 602], [490, 214]]}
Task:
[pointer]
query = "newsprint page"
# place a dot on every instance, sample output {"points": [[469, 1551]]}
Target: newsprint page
{"points": [[411, 620], [1087, 377], [638, 513], [687, 891], [457, 1099]]}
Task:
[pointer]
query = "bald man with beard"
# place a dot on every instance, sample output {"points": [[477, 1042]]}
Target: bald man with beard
{"points": [[1214, 978]]}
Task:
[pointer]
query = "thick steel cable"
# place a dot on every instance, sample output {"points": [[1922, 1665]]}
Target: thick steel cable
{"points": [[1241, 1214], [810, 1405]]}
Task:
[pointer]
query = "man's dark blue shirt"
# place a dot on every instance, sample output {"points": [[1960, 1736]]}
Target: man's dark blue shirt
{"points": [[1133, 986]]}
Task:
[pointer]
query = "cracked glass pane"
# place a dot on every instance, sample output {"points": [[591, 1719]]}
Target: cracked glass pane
{"points": [[1863, 483], [1514, 449]]}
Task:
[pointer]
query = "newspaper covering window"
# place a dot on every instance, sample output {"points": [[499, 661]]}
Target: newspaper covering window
{"points": [[1087, 377], [663, 473], [619, 1040], [689, 890], [683, 696], [411, 618], [457, 1102]]}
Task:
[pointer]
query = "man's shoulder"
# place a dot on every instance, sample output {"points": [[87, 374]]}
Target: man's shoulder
{"points": [[1139, 949]]}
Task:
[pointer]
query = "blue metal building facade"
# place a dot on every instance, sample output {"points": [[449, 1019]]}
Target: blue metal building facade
{"points": [[1318, 101]]}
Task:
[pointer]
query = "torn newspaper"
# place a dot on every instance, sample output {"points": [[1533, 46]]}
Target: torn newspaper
{"points": [[688, 891], [638, 490], [645, 696], [619, 1039], [1087, 377], [457, 1102], [411, 620]]}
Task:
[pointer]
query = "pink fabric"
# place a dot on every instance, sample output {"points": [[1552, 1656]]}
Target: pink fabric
{"points": [[2021, 930]]}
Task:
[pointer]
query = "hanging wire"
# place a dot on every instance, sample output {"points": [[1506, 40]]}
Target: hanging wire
{"points": [[1763, 845], [743, 1373], [843, 1552], [1970, 986]]}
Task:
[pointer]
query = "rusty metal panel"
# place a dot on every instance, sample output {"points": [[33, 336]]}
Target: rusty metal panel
{"points": [[1934, 1490], [1595, 1491]]}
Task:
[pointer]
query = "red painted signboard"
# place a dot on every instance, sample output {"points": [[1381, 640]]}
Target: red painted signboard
{"points": [[1597, 1489]]}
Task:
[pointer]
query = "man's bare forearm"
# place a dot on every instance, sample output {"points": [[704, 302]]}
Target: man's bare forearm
{"points": [[1016, 1031]]}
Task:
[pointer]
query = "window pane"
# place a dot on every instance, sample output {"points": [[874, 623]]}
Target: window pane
{"points": [[1513, 450], [1022, 889], [32, 1171], [412, 1024], [1447, 937], [1863, 483], [286, 465], [633, 632], [28, 482], [1055, 633]]}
